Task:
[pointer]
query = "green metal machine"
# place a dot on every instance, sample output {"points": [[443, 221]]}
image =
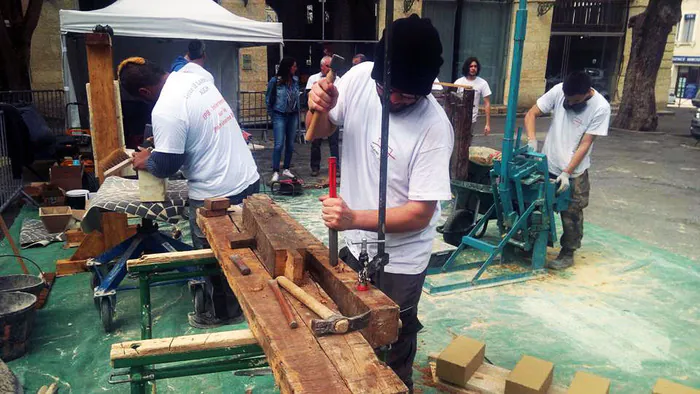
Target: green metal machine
{"points": [[523, 196]]}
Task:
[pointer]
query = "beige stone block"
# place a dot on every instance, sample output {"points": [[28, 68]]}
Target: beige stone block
{"points": [[664, 386], [459, 360], [587, 383], [530, 376]]}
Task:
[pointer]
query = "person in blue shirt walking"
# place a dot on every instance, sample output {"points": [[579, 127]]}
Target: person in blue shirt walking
{"points": [[282, 100]]}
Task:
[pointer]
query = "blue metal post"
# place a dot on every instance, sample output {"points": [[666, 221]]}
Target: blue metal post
{"points": [[507, 148]]}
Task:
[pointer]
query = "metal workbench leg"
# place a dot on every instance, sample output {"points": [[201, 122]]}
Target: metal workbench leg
{"points": [[145, 295]]}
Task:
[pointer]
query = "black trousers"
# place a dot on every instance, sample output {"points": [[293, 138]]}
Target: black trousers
{"points": [[220, 301], [405, 290], [316, 150]]}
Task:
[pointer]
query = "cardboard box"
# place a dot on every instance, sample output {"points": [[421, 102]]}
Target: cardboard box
{"points": [[67, 177], [664, 386], [460, 359], [55, 219], [587, 383], [530, 376], [53, 196]]}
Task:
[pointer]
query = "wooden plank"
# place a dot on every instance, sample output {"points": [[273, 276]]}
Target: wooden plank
{"points": [[295, 357], [272, 235], [294, 267], [488, 379], [102, 98], [181, 344], [92, 246], [114, 228], [350, 353], [159, 258], [69, 267]]}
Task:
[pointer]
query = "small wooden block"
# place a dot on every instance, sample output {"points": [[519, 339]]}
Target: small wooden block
{"points": [[208, 213], [70, 267], [664, 386], [294, 267], [217, 204], [460, 359], [75, 236], [587, 383], [241, 240], [530, 376]]}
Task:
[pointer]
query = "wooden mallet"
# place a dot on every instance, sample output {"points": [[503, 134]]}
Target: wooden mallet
{"points": [[316, 117]]}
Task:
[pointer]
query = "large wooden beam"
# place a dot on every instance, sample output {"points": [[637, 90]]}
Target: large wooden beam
{"points": [[260, 214], [103, 103], [300, 361]]}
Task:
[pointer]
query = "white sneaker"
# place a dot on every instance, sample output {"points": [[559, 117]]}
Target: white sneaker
{"points": [[275, 177], [287, 173]]}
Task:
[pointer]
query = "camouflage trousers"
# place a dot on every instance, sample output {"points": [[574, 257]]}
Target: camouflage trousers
{"points": [[572, 218]]}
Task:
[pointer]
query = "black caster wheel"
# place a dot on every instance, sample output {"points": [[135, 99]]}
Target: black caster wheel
{"points": [[106, 313], [199, 302]]}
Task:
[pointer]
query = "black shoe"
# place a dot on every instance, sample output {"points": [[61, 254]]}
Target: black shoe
{"points": [[207, 320], [563, 261], [314, 172]]}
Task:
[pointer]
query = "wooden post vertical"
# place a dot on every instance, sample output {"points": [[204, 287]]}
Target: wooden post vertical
{"points": [[459, 109], [103, 104]]}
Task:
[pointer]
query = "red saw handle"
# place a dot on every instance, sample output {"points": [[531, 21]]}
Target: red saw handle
{"points": [[332, 188]]}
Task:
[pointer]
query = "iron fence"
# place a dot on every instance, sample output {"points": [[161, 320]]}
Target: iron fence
{"points": [[10, 187], [51, 104], [592, 15], [252, 111]]}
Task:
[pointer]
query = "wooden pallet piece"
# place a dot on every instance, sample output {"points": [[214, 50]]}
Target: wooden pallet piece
{"points": [[65, 267], [300, 361], [92, 246], [114, 227], [488, 379], [160, 258], [340, 281]]}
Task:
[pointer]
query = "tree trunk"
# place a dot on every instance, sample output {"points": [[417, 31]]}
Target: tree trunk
{"points": [[16, 41], [650, 31]]}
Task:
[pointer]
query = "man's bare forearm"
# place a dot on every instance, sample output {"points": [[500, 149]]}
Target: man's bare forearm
{"points": [[413, 216], [530, 123]]}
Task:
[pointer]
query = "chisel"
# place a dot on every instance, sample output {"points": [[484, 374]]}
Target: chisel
{"points": [[332, 192]]}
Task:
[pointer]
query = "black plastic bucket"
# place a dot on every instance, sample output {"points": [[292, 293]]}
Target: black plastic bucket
{"points": [[27, 283], [16, 322]]}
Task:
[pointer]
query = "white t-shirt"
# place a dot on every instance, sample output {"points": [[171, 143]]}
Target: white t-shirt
{"points": [[192, 117], [195, 68], [481, 89], [567, 128], [315, 78], [420, 146]]}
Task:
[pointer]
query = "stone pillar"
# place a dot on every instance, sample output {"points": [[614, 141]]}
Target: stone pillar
{"points": [[535, 52], [46, 64]]}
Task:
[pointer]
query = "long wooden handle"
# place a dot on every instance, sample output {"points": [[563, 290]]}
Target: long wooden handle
{"points": [[284, 304], [323, 311], [6, 232], [317, 117]]}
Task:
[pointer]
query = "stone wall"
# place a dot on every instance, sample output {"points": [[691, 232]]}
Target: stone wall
{"points": [[535, 51], [398, 13]]}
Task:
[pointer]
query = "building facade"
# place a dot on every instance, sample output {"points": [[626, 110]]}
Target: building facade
{"points": [[561, 36], [685, 72]]}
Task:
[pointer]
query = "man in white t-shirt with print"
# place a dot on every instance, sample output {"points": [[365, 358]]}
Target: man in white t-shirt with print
{"points": [[194, 130], [470, 71], [420, 145], [579, 115], [333, 139]]}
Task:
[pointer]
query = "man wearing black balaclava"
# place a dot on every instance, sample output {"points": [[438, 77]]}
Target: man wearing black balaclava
{"points": [[420, 146], [579, 115]]}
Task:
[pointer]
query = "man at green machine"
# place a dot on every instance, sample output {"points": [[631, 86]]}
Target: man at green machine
{"points": [[579, 115]]}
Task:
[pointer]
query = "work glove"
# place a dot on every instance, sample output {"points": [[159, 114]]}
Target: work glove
{"points": [[563, 181], [532, 145]]}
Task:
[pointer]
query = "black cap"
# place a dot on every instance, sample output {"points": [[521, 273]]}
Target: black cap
{"points": [[416, 55]]}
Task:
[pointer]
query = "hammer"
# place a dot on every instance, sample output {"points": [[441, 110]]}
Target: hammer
{"points": [[332, 322], [336, 63]]}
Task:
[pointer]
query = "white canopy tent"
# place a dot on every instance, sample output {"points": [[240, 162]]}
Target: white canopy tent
{"points": [[160, 30]]}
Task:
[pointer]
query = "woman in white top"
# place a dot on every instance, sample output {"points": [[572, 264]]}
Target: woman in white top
{"points": [[470, 72]]}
